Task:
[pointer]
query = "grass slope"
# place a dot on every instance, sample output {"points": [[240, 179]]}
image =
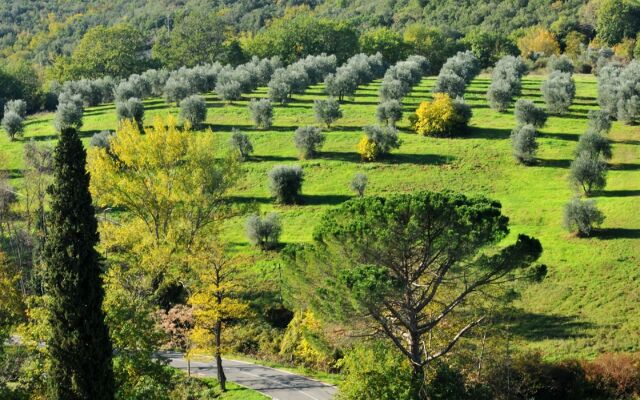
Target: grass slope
{"points": [[589, 302]]}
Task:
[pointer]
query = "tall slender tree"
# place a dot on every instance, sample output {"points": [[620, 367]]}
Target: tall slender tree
{"points": [[79, 346]]}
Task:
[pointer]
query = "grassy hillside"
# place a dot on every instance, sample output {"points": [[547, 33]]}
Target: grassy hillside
{"points": [[589, 302]]}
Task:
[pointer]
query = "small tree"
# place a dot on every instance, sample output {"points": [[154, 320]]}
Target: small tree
{"points": [[132, 109], [177, 88], [559, 90], [229, 91], [327, 111], [308, 141], [264, 232], [523, 144], [341, 84], [393, 89], [241, 143], [628, 94], [285, 183], [389, 112], [17, 106], [450, 83], [377, 141], [594, 144], [599, 121], [581, 216], [442, 116], [500, 95], [526, 112], [588, 173], [101, 139], [261, 113], [560, 63], [12, 124], [359, 183], [68, 115], [194, 110]]}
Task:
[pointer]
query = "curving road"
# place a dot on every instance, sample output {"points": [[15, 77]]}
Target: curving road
{"points": [[277, 384]]}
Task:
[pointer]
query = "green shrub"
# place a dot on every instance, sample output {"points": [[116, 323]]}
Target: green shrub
{"points": [[327, 111], [359, 183], [261, 113], [285, 183], [308, 141], [194, 110], [241, 143], [580, 216], [527, 112], [264, 232], [523, 144]]}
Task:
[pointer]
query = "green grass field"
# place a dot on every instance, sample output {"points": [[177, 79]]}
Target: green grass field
{"points": [[590, 301]]}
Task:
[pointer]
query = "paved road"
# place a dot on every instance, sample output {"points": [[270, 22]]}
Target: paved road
{"points": [[279, 385]]}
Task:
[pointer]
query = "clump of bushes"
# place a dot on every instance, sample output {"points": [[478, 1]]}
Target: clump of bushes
{"points": [[377, 141], [558, 91], [229, 91], [241, 143], [400, 78], [308, 141], [264, 232], [582, 216], [285, 183], [261, 113], [442, 117], [102, 139], [524, 144], [327, 111], [359, 183], [194, 110], [527, 112]]}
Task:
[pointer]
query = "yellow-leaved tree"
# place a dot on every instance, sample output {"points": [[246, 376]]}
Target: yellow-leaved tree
{"points": [[538, 41], [441, 117], [216, 301], [161, 191]]}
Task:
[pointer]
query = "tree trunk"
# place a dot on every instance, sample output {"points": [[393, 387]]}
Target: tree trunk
{"points": [[417, 374], [221, 376]]}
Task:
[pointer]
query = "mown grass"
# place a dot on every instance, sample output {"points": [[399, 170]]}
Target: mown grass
{"points": [[589, 302]]}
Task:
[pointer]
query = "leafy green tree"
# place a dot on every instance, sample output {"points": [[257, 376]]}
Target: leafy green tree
{"points": [[614, 18], [385, 41], [489, 47], [196, 39], [79, 345], [588, 172], [404, 265], [118, 50], [431, 43]]}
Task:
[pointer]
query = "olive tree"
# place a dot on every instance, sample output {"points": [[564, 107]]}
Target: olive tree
{"points": [[285, 183], [599, 121], [12, 123], [609, 88], [559, 90], [69, 113], [177, 88], [582, 216], [377, 141], [628, 94], [264, 232], [524, 144], [194, 110], [450, 83], [359, 183], [327, 111], [527, 112], [241, 143], [308, 141], [229, 91], [560, 63], [132, 109], [341, 84], [389, 112], [261, 113], [588, 173], [102, 139], [17, 106], [595, 144]]}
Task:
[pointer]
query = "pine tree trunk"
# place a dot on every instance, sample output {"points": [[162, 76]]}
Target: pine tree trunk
{"points": [[221, 376]]}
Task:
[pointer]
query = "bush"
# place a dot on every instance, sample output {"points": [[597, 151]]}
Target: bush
{"points": [[450, 83], [132, 109], [377, 141], [442, 116], [614, 375], [327, 111], [599, 121], [17, 106], [102, 139], [580, 216], [68, 115], [594, 144], [261, 113], [505, 82], [229, 91], [526, 112], [241, 143], [285, 183], [308, 140], [389, 112], [559, 90], [194, 110], [264, 232], [157, 80], [560, 63], [523, 144], [359, 183], [588, 173], [12, 124]]}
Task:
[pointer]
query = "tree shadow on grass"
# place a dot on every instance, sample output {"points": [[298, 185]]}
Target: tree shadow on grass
{"points": [[624, 167], [477, 132], [617, 233], [560, 136], [419, 159], [323, 199], [12, 173], [552, 163], [46, 138], [247, 127], [619, 193], [536, 326], [250, 199], [339, 156], [271, 158]]}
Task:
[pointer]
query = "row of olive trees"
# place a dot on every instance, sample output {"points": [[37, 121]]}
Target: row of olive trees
{"points": [[619, 91], [506, 82], [396, 84], [456, 73], [357, 70], [524, 143], [297, 77]]}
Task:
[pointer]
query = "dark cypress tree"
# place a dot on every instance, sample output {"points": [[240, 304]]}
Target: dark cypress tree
{"points": [[80, 348]]}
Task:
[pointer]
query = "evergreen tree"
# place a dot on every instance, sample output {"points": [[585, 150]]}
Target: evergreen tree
{"points": [[79, 346]]}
